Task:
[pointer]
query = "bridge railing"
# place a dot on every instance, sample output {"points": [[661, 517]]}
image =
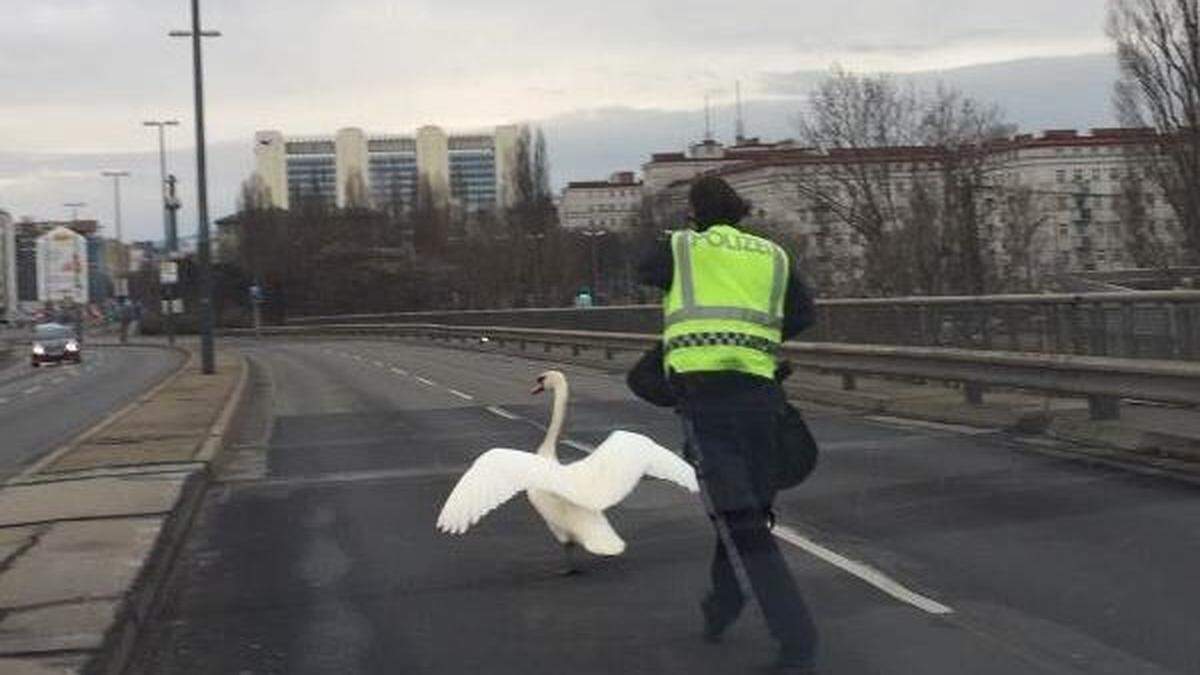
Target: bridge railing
{"points": [[1104, 381], [1162, 325]]}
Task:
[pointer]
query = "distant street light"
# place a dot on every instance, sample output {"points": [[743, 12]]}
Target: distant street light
{"points": [[170, 240], [207, 356], [170, 236], [116, 176], [595, 235], [74, 206]]}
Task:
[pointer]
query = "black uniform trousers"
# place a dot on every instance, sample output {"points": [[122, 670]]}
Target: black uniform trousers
{"points": [[731, 426]]}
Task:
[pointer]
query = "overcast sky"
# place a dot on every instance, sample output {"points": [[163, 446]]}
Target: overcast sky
{"points": [[78, 76]]}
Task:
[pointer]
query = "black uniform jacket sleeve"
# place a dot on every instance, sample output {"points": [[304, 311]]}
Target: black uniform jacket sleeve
{"points": [[657, 269]]}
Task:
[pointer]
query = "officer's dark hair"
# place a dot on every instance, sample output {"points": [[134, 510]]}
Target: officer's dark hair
{"points": [[714, 202]]}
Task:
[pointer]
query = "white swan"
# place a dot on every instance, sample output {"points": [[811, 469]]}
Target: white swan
{"points": [[572, 497]]}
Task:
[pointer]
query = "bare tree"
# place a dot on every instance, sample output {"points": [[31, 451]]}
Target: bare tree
{"points": [[429, 220], [1021, 238], [1142, 238], [851, 118], [909, 175], [1158, 49], [356, 191]]}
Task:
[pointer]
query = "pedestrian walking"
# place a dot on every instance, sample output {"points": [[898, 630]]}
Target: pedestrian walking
{"points": [[731, 299]]}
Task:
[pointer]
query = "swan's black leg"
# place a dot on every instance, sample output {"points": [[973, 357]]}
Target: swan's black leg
{"points": [[569, 554]]}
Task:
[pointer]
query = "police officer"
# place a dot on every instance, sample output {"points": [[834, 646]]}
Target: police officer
{"points": [[731, 300]]}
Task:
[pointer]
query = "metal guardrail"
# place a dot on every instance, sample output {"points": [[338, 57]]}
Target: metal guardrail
{"points": [[1135, 325], [1103, 381]]}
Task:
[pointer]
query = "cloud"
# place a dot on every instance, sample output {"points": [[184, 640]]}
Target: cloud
{"points": [[79, 75]]}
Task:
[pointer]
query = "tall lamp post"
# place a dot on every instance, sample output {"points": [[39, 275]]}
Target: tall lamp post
{"points": [[207, 356], [122, 270], [116, 176], [594, 236], [74, 206], [170, 236]]}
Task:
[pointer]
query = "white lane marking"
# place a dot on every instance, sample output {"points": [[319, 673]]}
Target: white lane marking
{"points": [[935, 426], [465, 397], [425, 381], [32, 390], [378, 364], [497, 410], [3, 401], [399, 371], [865, 572], [58, 380], [582, 447]]}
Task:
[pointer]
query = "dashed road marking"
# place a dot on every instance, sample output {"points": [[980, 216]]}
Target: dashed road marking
{"points": [[465, 397], [378, 364], [32, 390], [400, 371], [3, 401], [425, 381], [497, 410], [862, 571], [58, 380]]}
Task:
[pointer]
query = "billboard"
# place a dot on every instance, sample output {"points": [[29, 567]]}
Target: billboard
{"points": [[62, 266]]}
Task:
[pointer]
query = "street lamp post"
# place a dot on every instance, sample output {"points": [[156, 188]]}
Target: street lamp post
{"points": [[116, 176], [594, 236], [74, 206], [122, 271], [169, 236], [207, 356], [170, 241]]}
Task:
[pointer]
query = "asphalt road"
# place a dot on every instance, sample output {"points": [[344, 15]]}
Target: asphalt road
{"points": [[921, 548], [42, 408]]}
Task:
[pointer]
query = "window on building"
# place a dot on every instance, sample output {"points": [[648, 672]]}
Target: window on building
{"points": [[1061, 175], [1078, 175]]}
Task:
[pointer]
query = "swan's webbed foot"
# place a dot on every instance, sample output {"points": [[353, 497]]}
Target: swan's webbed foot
{"points": [[571, 567]]}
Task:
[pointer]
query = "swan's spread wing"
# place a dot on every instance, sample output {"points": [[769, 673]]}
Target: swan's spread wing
{"points": [[495, 477], [661, 463], [613, 470]]}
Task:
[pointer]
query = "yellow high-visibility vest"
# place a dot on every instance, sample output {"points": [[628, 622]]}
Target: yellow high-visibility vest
{"points": [[725, 307]]}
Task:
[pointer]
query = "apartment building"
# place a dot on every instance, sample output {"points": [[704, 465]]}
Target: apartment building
{"points": [[612, 204], [1077, 186]]}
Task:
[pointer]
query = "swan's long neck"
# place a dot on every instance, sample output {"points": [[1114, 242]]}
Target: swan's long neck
{"points": [[558, 417]]}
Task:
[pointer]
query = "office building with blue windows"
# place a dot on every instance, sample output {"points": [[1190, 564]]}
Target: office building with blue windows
{"points": [[467, 172]]}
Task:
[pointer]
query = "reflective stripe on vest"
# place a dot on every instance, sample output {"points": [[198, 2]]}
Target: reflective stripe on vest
{"points": [[726, 314]]}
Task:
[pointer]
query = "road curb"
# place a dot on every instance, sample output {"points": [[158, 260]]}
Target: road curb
{"points": [[64, 449], [218, 435], [142, 601]]}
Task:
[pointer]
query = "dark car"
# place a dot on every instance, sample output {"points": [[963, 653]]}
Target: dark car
{"points": [[53, 342]]}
